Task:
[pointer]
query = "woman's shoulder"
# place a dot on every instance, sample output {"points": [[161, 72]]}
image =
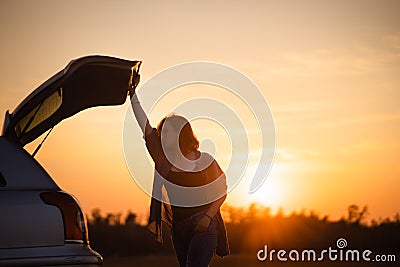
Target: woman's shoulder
{"points": [[205, 156], [205, 159]]}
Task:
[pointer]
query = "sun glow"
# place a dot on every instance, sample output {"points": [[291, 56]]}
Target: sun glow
{"points": [[273, 193]]}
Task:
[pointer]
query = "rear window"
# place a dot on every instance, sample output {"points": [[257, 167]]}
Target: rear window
{"points": [[19, 171], [40, 113]]}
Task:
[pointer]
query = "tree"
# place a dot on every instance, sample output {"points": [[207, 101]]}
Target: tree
{"points": [[130, 218], [355, 215]]}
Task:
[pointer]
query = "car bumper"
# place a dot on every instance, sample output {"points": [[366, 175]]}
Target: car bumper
{"points": [[68, 255]]}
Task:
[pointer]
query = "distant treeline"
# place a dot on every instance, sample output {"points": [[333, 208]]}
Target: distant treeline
{"points": [[250, 229]]}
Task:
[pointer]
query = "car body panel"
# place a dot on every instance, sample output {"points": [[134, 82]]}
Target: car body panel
{"points": [[27, 222]]}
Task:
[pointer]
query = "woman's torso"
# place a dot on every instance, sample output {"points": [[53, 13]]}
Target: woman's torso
{"points": [[188, 179]]}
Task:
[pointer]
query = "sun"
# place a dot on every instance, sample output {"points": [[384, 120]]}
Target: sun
{"points": [[270, 194]]}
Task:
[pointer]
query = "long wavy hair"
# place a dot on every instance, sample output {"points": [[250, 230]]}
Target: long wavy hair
{"points": [[187, 139]]}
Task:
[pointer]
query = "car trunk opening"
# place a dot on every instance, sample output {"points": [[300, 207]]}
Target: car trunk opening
{"points": [[85, 82]]}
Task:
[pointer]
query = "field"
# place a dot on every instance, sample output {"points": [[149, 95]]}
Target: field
{"points": [[231, 261]]}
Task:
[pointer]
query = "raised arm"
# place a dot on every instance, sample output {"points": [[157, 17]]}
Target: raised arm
{"points": [[151, 139], [140, 115]]}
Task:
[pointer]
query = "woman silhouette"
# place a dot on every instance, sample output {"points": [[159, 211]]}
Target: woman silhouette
{"points": [[197, 228]]}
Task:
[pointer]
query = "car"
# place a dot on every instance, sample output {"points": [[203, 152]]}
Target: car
{"points": [[40, 224]]}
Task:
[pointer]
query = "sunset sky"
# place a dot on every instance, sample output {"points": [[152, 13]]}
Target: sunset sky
{"points": [[328, 69]]}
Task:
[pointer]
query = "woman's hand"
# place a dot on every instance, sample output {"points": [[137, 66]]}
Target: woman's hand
{"points": [[202, 224], [135, 82]]}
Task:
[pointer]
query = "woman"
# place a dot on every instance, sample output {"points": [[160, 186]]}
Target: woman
{"points": [[196, 223]]}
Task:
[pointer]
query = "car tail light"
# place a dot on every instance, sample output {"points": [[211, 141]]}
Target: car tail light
{"points": [[75, 227]]}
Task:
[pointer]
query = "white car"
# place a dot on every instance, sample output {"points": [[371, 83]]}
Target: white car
{"points": [[41, 225]]}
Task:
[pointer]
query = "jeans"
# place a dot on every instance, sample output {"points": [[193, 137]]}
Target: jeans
{"points": [[194, 249]]}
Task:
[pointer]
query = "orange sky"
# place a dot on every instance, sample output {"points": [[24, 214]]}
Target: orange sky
{"points": [[329, 71]]}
